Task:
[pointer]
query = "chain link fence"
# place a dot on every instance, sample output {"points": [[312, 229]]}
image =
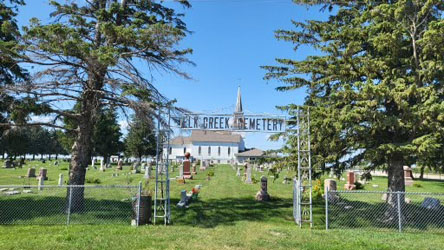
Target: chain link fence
{"points": [[401, 211], [69, 204]]}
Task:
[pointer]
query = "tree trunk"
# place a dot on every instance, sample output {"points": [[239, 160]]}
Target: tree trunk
{"points": [[396, 183], [421, 176]]}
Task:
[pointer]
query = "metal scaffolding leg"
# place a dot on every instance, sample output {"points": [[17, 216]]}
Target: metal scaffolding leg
{"points": [[162, 208], [304, 200]]}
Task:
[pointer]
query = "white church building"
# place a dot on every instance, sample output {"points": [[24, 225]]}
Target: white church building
{"points": [[216, 146]]}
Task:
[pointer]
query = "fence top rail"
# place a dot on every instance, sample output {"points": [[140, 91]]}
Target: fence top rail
{"points": [[384, 192], [67, 186]]}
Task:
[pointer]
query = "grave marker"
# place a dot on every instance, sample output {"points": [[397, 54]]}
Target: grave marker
{"points": [[60, 179], [187, 167], [408, 176], [41, 183], [248, 178], [42, 173], [31, 173], [120, 165], [350, 181], [262, 195]]}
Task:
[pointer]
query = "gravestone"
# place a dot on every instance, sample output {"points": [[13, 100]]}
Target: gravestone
{"points": [[431, 203], [331, 172], [120, 165], [238, 171], [8, 164], [147, 172], [136, 167], [187, 167], [184, 199], [330, 185], [262, 195], [350, 181], [408, 176], [31, 173], [42, 173], [248, 178], [93, 162], [60, 179], [203, 165], [41, 183], [102, 166], [194, 169], [56, 163], [181, 171]]}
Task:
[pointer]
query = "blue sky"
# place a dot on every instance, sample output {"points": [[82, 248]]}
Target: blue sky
{"points": [[231, 39]]}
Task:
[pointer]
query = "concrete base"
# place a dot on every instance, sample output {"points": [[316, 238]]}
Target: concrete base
{"points": [[349, 186]]}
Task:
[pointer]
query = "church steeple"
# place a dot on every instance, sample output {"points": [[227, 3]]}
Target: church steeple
{"points": [[238, 102], [238, 116]]}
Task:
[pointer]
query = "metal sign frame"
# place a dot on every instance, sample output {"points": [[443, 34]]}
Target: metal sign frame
{"points": [[303, 189]]}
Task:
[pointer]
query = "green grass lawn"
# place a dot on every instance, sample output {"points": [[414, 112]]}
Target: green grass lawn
{"points": [[226, 216]]}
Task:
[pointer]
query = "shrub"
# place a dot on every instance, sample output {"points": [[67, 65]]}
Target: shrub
{"points": [[318, 189], [359, 185], [92, 180], [63, 168], [418, 185], [254, 180]]}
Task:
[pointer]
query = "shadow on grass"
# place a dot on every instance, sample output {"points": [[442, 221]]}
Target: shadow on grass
{"points": [[52, 210], [380, 215], [228, 211]]}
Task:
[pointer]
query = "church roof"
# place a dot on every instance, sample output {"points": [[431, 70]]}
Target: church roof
{"points": [[207, 136], [252, 153], [180, 140]]}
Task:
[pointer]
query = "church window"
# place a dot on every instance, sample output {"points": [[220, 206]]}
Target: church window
{"points": [[171, 150], [209, 150], [218, 151], [229, 150], [200, 150], [184, 150]]}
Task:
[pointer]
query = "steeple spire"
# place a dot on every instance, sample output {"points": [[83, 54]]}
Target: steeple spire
{"points": [[238, 102]]}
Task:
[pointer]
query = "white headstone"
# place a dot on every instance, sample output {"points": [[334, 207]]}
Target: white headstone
{"points": [[102, 167], [248, 179], [93, 162], [41, 183], [238, 171], [147, 172], [181, 170], [60, 179]]}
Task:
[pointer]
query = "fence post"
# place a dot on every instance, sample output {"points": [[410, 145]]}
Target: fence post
{"points": [[326, 209], [139, 196], [399, 212], [69, 205]]}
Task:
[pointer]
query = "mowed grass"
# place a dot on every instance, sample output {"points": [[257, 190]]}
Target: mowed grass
{"points": [[226, 216]]}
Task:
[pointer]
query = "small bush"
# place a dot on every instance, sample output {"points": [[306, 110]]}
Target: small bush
{"points": [[418, 185], [92, 180], [63, 168], [318, 189], [359, 185], [211, 173], [254, 180]]}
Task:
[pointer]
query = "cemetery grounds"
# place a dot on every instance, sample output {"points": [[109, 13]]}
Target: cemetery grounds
{"points": [[226, 216]]}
